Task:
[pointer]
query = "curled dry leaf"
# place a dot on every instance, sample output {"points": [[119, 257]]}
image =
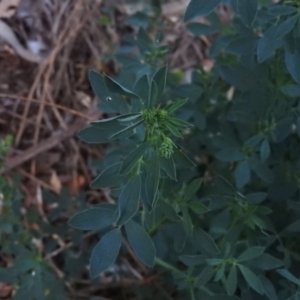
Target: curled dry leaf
{"points": [[8, 8]]}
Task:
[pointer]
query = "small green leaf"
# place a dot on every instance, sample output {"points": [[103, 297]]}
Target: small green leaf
{"points": [[230, 154], [141, 243], [133, 157], [168, 166], [265, 150], [200, 29], [175, 105], [291, 90], [111, 100], [192, 260], [93, 219], [108, 177], [117, 88], [94, 135], [288, 275], [198, 207], [256, 198], [129, 200], [242, 174], [231, 283], [129, 118], [105, 252], [251, 253], [214, 261], [204, 277], [253, 280], [153, 94], [172, 129], [220, 273], [160, 78], [247, 10], [269, 288], [142, 88], [192, 188], [206, 241], [123, 133], [169, 211], [181, 160], [200, 8], [180, 124], [152, 180], [286, 26], [292, 62]]}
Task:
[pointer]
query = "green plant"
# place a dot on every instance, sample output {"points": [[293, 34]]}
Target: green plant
{"points": [[234, 234]]}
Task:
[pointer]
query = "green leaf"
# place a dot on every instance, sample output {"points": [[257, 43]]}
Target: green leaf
{"points": [[243, 45], [231, 282], [133, 157], [251, 253], [172, 129], [224, 297], [200, 8], [265, 150], [153, 94], [253, 280], [291, 90], [142, 88], [242, 174], [269, 288], [200, 29], [160, 78], [292, 62], [93, 219], [105, 252], [230, 154], [192, 188], [286, 26], [266, 46], [289, 276], [198, 207], [141, 243], [256, 198], [214, 261], [262, 170], [294, 227], [129, 200], [180, 124], [94, 135], [108, 177], [117, 88], [247, 10], [125, 119], [220, 273], [124, 132], [113, 101], [204, 277], [169, 211], [109, 123], [152, 180], [175, 105], [168, 166], [192, 260], [181, 160], [206, 241]]}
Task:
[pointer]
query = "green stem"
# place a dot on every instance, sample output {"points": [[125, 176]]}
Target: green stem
{"points": [[168, 266], [192, 291], [173, 269], [157, 225]]}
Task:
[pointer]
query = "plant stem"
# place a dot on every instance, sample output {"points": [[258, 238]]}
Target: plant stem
{"points": [[192, 293], [173, 269]]}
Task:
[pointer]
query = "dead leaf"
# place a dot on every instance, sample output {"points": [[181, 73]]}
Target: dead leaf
{"points": [[76, 184], [8, 8], [55, 182]]}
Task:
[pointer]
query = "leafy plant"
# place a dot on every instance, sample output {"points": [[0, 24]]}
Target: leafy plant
{"points": [[234, 233]]}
